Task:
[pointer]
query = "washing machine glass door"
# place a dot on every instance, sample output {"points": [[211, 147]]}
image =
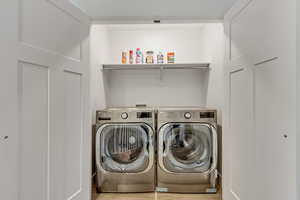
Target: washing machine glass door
{"points": [[126, 147], [186, 147]]}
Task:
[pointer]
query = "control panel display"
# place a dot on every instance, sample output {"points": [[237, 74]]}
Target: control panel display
{"points": [[207, 115], [143, 115]]}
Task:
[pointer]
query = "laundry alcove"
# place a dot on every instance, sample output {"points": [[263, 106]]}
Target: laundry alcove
{"points": [[195, 80]]}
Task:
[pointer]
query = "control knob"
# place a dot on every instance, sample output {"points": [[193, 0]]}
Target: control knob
{"points": [[187, 115], [124, 115]]}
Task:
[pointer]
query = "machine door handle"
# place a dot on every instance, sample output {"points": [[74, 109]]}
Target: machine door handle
{"points": [[148, 146], [164, 146]]}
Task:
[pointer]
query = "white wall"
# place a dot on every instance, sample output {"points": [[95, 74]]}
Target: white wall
{"points": [[99, 53], [178, 88], [215, 48], [191, 42], [187, 41], [53, 95]]}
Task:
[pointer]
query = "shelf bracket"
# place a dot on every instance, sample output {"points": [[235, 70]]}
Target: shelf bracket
{"points": [[101, 67], [161, 73]]}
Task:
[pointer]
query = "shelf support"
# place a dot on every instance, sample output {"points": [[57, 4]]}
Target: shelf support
{"points": [[161, 73], [102, 67]]}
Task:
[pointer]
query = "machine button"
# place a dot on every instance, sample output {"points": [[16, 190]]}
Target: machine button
{"points": [[124, 115], [187, 115]]}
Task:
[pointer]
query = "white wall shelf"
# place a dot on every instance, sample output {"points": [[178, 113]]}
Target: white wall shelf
{"points": [[155, 66], [161, 67]]}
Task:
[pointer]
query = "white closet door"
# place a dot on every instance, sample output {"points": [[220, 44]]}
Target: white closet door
{"points": [[8, 101], [45, 138], [268, 167]]}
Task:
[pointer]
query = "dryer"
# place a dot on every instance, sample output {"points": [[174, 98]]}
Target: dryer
{"points": [[187, 150], [125, 153]]}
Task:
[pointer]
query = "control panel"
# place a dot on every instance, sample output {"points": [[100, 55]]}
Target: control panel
{"points": [[144, 115], [207, 115]]}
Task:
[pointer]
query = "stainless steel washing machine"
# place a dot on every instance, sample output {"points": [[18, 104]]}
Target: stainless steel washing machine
{"points": [[125, 152], [187, 150]]}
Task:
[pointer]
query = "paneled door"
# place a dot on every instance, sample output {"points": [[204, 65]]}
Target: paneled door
{"points": [[45, 137], [260, 136], [8, 100]]}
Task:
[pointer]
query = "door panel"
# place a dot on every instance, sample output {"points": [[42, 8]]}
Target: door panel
{"points": [[9, 100], [73, 135], [255, 33], [34, 132], [239, 172], [275, 131]]}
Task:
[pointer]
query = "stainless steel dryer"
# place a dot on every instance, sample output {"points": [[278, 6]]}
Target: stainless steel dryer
{"points": [[187, 150], [125, 150]]}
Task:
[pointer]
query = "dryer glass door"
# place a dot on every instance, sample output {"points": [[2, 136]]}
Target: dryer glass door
{"points": [[186, 147], [126, 147]]}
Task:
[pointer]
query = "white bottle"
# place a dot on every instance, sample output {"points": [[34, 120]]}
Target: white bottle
{"points": [[160, 58]]}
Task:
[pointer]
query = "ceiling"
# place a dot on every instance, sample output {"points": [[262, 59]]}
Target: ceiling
{"points": [[148, 10]]}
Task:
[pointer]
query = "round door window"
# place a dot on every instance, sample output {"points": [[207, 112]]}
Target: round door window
{"points": [[187, 147], [125, 144], [124, 147]]}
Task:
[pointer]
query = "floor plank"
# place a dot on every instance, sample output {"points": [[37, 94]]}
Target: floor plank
{"points": [[153, 196], [168, 196], [136, 196], [156, 196]]}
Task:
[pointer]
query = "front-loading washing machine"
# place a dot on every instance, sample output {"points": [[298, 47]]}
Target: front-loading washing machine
{"points": [[187, 150], [125, 152]]}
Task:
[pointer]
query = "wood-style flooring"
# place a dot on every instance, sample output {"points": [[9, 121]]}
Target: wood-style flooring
{"points": [[155, 196]]}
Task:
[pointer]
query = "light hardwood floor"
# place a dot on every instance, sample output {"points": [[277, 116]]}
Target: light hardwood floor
{"points": [[155, 196]]}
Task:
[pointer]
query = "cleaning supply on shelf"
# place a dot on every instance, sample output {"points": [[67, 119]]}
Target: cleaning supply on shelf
{"points": [[171, 57], [160, 58], [143, 58], [124, 57], [139, 56], [131, 57], [149, 57]]}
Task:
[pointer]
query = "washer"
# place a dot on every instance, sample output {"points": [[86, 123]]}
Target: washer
{"points": [[125, 153], [187, 150]]}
